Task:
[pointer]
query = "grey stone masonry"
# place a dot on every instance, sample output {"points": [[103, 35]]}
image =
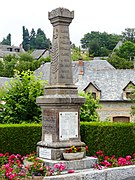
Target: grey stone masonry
{"points": [[85, 163], [61, 64], [60, 103], [120, 173]]}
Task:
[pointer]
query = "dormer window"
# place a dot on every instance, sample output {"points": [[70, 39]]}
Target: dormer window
{"points": [[128, 95], [9, 49], [92, 87], [17, 50], [127, 91]]}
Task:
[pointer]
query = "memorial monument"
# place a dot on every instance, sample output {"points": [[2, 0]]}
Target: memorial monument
{"points": [[60, 104]]}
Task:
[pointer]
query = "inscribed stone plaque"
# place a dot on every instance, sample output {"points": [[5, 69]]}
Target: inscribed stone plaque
{"points": [[48, 138], [44, 153], [68, 125]]}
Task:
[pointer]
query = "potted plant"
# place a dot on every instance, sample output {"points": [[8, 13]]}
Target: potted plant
{"points": [[74, 153]]}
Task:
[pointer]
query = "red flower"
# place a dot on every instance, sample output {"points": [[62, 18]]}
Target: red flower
{"points": [[100, 153], [71, 171], [121, 161], [106, 157], [86, 148], [128, 158]]}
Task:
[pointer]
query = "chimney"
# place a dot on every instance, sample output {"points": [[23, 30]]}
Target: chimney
{"points": [[81, 66]]}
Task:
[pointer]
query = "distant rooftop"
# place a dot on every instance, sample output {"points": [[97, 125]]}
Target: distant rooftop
{"points": [[102, 74], [3, 80], [6, 50]]}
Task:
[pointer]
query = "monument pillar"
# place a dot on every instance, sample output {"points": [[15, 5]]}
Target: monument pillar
{"points": [[60, 104]]}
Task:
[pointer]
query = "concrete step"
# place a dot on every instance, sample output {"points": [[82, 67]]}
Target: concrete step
{"points": [[117, 173], [85, 163]]}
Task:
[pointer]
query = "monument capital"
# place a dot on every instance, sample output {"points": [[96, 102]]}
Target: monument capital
{"points": [[60, 15]]}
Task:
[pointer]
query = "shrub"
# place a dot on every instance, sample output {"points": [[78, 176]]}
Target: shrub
{"points": [[112, 138], [22, 139], [88, 110], [20, 99]]}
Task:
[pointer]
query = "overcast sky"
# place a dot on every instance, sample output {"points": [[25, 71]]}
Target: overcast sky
{"points": [[111, 16]]}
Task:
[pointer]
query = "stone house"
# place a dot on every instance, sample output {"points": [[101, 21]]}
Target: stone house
{"points": [[111, 85], [12, 50]]}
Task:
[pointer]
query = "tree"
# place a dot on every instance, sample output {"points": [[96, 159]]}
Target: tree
{"points": [[126, 50], [41, 41], [129, 34], [7, 40], [20, 97], [22, 62], [35, 40], [88, 109], [32, 39], [120, 63], [99, 44], [26, 39]]}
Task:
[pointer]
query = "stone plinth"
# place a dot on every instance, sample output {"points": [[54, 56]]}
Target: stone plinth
{"points": [[61, 123]]}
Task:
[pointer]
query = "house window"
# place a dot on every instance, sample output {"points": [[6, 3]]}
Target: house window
{"points": [[17, 50], [9, 49], [121, 119], [129, 95], [94, 95]]}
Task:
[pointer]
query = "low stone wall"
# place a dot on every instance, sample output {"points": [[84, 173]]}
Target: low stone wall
{"points": [[120, 173]]}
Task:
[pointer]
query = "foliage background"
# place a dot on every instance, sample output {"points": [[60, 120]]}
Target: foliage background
{"points": [[20, 99], [112, 138]]}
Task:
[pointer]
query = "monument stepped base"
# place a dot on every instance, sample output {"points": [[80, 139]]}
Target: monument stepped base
{"points": [[118, 173], [85, 163]]}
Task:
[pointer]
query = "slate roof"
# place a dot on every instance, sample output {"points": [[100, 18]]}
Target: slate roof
{"points": [[38, 53], [3, 80], [100, 73]]}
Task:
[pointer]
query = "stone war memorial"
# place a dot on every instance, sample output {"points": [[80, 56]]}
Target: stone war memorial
{"points": [[60, 104]]}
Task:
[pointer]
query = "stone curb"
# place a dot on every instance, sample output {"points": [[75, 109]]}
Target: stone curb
{"points": [[119, 173]]}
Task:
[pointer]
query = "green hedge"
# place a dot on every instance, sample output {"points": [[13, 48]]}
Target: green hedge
{"points": [[20, 139], [111, 138]]}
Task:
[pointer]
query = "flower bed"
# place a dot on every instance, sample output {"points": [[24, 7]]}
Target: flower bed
{"points": [[13, 167], [110, 162]]}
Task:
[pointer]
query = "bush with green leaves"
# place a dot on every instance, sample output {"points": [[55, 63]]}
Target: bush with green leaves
{"points": [[88, 110], [132, 97], [22, 62], [112, 138], [19, 138], [20, 99], [120, 63]]}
